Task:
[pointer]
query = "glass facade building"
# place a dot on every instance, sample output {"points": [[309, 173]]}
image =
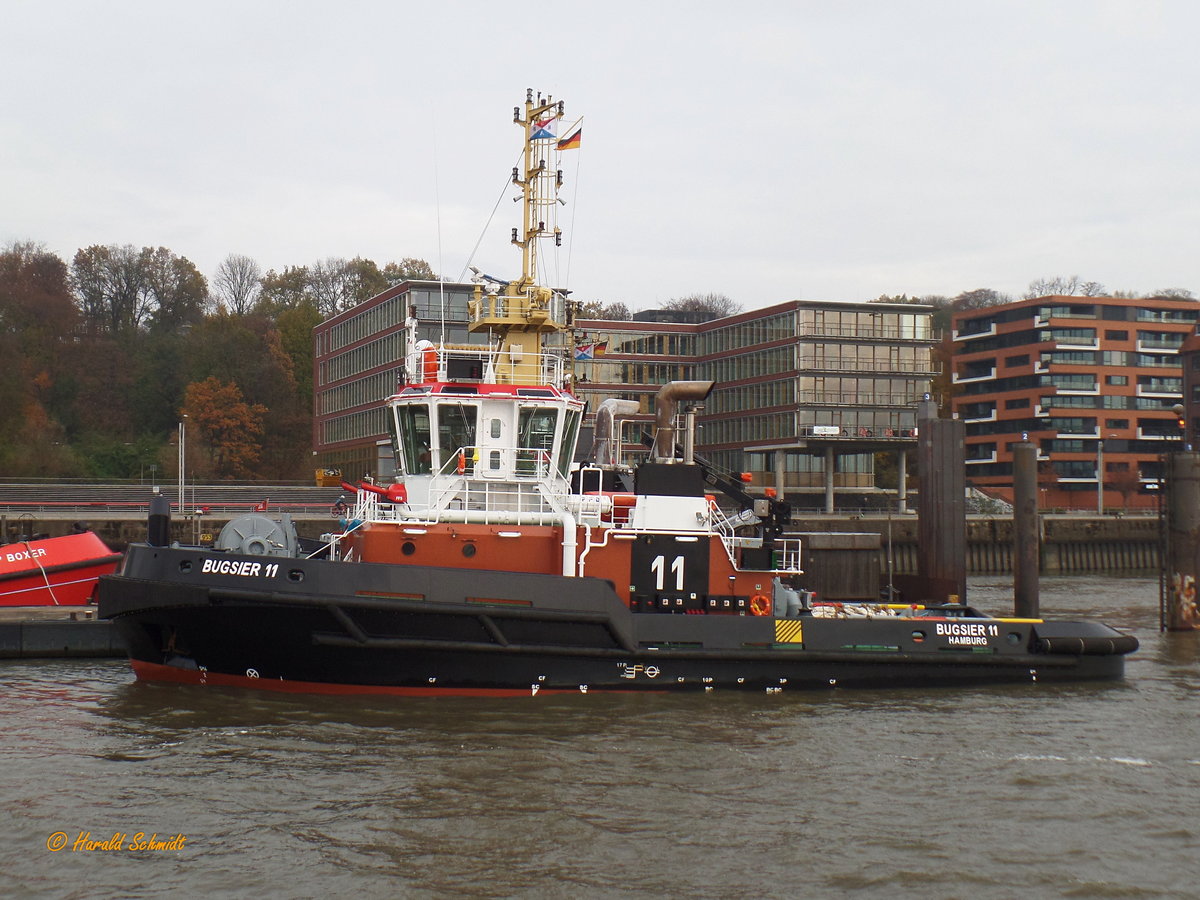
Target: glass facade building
{"points": [[804, 389], [807, 392], [358, 359]]}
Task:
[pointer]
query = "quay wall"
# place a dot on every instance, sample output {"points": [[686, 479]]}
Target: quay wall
{"points": [[1069, 545]]}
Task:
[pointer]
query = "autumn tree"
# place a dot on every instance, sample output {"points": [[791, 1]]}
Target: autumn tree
{"points": [[339, 284], [178, 292], [1058, 286], [284, 290], [1173, 294], [408, 269], [979, 298], [37, 320], [36, 305], [598, 309], [617, 311], [250, 351], [715, 306], [1125, 482], [237, 284], [108, 282], [123, 289], [230, 428], [896, 298]]}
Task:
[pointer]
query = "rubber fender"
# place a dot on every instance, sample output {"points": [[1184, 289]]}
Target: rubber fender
{"points": [[1117, 645]]}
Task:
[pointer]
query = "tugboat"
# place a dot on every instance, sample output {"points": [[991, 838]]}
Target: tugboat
{"points": [[496, 564], [54, 571]]}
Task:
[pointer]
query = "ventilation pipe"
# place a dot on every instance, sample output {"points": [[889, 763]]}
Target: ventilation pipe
{"points": [[604, 442], [665, 404]]}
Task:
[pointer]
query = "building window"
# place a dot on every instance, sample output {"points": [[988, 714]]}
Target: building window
{"points": [[1116, 335], [1014, 361], [1116, 379]]}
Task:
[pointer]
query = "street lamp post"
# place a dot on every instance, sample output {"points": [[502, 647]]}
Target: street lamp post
{"points": [[182, 458]]}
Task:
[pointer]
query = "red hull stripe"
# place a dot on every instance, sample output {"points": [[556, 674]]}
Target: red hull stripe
{"points": [[147, 671]]}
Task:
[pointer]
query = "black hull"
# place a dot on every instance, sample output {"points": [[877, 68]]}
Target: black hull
{"points": [[355, 627]]}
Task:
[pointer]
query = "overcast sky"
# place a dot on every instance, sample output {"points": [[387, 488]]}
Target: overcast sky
{"points": [[769, 151]]}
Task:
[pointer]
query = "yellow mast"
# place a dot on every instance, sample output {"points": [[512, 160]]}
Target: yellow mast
{"points": [[519, 312]]}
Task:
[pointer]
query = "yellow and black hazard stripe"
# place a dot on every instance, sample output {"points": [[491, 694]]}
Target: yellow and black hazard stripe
{"points": [[789, 631]]}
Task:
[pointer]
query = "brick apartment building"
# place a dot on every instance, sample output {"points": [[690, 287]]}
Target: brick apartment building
{"points": [[1092, 381]]}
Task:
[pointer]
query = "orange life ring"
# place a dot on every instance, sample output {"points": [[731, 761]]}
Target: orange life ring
{"points": [[760, 605]]}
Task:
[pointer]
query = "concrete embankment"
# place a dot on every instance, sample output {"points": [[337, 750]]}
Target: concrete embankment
{"points": [[49, 632]]}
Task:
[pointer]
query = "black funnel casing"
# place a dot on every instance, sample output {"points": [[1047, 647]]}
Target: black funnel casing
{"points": [[158, 526]]}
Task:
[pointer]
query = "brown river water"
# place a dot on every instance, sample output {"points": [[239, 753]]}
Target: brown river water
{"points": [[1024, 791]]}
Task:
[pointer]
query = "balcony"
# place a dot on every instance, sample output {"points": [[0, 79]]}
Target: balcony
{"points": [[975, 376], [975, 460], [1159, 390], [972, 335], [1077, 343], [990, 416], [1153, 346]]}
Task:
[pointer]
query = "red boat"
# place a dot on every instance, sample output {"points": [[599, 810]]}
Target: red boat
{"points": [[60, 571]]}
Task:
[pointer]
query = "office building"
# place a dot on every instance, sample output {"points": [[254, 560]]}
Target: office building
{"points": [[807, 392]]}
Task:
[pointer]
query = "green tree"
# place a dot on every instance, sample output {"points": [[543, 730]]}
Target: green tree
{"points": [[296, 337]]}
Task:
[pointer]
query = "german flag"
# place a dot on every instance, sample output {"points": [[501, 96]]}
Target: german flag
{"points": [[571, 141]]}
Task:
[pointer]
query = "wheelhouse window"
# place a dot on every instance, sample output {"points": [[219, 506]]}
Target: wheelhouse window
{"points": [[567, 449], [457, 425], [536, 426], [413, 439]]}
